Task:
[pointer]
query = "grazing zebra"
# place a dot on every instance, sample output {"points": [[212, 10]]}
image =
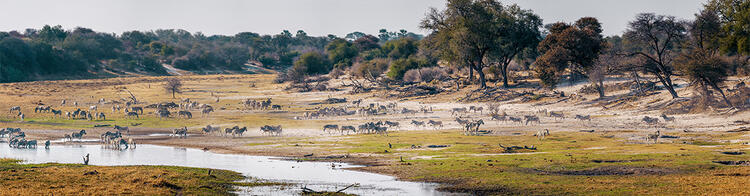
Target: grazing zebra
{"points": [[163, 113], [276, 107], [206, 111], [62, 103], [131, 114], [184, 113], [101, 116], [93, 108], [457, 111], [327, 127], [21, 115], [532, 118], [15, 108], [347, 129], [582, 118]]}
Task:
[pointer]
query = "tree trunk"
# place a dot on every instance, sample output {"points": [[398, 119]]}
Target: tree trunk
{"points": [[172, 94], [481, 79], [668, 86], [471, 73], [504, 71], [600, 88], [729, 103]]}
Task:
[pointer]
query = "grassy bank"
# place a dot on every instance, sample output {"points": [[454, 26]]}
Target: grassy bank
{"points": [[74, 179]]}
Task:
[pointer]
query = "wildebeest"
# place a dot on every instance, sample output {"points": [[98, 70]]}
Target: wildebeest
{"points": [[582, 118], [327, 127], [531, 118], [184, 113], [271, 130], [15, 108]]}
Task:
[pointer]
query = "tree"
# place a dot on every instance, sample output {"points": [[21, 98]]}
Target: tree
{"points": [[701, 63], [173, 86], [312, 63], [520, 32], [658, 36], [471, 31], [735, 25], [341, 52], [400, 48], [354, 35], [367, 42], [574, 47]]}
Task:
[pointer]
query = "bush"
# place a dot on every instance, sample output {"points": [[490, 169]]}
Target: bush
{"points": [[427, 74], [312, 63], [375, 67], [401, 66]]}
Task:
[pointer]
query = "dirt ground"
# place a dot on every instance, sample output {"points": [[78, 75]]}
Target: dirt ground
{"points": [[607, 155]]}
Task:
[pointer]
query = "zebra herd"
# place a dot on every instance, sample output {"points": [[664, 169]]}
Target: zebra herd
{"points": [[260, 105], [17, 138], [380, 127]]}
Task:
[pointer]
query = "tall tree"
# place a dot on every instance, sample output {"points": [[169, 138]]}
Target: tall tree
{"points": [[575, 47], [519, 31], [658, 37], [470, 31], [735, 18]]}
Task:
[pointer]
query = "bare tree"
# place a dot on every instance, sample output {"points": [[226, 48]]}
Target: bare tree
{"points": [[173, 86], [657, 36]]}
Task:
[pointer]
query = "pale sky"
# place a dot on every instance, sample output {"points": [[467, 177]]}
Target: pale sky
{"points": [[316, 17]]}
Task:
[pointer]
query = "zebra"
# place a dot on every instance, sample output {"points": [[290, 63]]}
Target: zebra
{"points": [[56, 113], [334, 127], [122, 129], [435, 124], [542, 133], [239, 131], [137, 109], [347, 129], [78, 135], [271, 129], [582, 117], [458, 110], [417, 123], [667, 118], [15, 108], [654, 136], [207, 110], [186, 114], [532, 118], [180, 132], [556, 115]]}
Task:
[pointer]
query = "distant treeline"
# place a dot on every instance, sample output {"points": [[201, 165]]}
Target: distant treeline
{"points": [[53, 52]]}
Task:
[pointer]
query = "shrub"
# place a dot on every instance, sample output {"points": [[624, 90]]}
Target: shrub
{"points": [[375, 67], [427, 74], [399, 67]]}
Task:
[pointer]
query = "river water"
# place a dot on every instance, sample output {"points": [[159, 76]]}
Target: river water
{"points": [[315, 175]]}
